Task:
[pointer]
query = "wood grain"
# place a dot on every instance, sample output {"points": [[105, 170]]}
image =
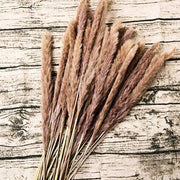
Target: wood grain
{"points": [[43, 13], [145, 146], [123, 167], [148, 128]]}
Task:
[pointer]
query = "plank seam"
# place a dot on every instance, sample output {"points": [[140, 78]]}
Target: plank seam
{"points": [[98, 153], [52, 27]]}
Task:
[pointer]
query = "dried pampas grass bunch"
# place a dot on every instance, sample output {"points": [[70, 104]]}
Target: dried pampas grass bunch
{"points": [[103, 72]]}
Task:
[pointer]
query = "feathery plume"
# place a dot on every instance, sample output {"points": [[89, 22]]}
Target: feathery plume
{"points": [[89, 65], [47, 86], [98, 92], [154, 67], [114, 89], [61, 104], [98, 17], [86, 39], [62, 65], [128, 86], [129, 34], [77, 55], [63, 99], [122, 53]]}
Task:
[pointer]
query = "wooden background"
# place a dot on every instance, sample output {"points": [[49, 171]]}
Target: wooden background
{"points": [[146, 146]]}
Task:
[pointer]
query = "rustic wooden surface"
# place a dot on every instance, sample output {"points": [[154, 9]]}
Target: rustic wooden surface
{"points": [[145, 146]]}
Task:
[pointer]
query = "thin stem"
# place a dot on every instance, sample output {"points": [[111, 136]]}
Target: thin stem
{"points": [[85, 155], [70, 144]]}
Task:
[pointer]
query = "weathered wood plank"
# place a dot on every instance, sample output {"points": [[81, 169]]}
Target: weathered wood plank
{"points": [[152, 32], [20, 57], [21, 85], [33, 98], [26, 14], [147, 129], [105, 167], [27, 51]]}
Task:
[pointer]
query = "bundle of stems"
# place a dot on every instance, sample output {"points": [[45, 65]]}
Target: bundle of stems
{"points": [[103, 72]]}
